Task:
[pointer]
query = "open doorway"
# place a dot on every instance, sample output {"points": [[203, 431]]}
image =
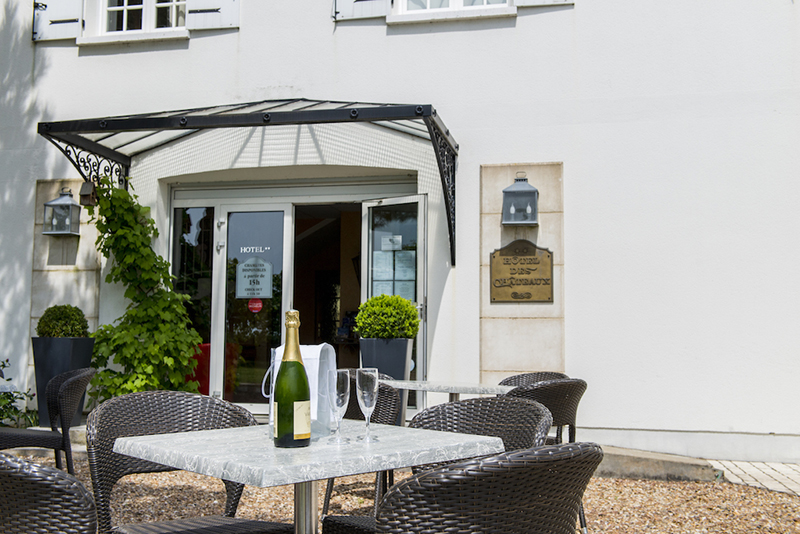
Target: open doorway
{"points": [[327, 278]]}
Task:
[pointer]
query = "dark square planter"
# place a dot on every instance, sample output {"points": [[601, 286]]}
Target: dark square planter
{"points": [[391, 357], [53, 356]]}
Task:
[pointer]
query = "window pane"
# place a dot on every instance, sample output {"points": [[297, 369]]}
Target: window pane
{"points": [[163, 19], [116, 3], [115, 19], [417, 4], [253, 299], [192, 260], [135, 2], [134, 19], [436, 4], [473, 2], [496, 1]]}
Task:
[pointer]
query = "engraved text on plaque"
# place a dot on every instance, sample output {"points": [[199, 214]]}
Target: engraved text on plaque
{"points": [[521, 272]]}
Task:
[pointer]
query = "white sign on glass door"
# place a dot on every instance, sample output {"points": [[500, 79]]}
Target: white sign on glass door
{"points": [[254, 279]]}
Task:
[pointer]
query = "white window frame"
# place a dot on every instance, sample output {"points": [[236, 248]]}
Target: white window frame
{"points": [[92, 27], [149, 10], [397, 12], [456, 10], [452, 5]]}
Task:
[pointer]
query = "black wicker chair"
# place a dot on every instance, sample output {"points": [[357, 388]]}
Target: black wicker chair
{"points": [[64, 394], [36, 498], [387, 410], [162, 412], [561, 396], [531, 378], [521, 423], [529, 491]]}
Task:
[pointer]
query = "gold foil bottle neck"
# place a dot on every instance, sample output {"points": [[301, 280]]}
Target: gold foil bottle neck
{"points": [[291, 351], [292, 319]]}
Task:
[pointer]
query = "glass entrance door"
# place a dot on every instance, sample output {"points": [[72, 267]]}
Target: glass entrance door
{"points": [[393, 236], [233, 262]]}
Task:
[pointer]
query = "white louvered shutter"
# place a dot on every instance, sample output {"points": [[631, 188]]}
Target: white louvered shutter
{"points": [[57, 19], [526, 3], [360, 9], [211, 14]]}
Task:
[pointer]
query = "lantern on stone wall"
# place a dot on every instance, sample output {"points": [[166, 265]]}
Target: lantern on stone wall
{"points": [[520, 203], [62, 215]]}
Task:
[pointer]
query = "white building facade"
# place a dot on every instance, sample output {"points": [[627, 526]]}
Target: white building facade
{"points": [[664, 141]]}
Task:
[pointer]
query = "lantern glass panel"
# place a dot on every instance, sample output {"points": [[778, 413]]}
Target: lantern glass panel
{"points": [[62, 216], [520, 204]]}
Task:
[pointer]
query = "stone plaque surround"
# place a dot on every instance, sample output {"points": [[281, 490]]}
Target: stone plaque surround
{"points": [[521, 337]]}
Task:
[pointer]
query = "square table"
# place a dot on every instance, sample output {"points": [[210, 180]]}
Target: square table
{"points": [[248, 455]]}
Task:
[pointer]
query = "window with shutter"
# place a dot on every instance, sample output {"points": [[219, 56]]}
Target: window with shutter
{"points": [[109, 21]]}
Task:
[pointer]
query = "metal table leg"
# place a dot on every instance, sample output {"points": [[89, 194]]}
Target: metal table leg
{"points": [[305, 508]]}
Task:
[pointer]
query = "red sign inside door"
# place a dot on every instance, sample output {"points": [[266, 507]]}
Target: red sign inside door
{"points": [[255, 305]]}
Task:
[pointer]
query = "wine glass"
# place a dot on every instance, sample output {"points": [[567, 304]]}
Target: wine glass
{"points": [[367, 386], [338, 398]]}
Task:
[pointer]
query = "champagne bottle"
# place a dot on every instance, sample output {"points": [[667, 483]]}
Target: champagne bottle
{"points": [[292, 399]]}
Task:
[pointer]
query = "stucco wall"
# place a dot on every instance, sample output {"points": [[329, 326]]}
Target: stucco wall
{"points": [[677, 126]]}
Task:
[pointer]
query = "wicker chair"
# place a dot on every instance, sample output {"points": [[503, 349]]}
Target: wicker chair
{"points": [[64, 394], [521, 423], [529, 491], [531, 378], [561, 396], [162, 412], [387, 410], [43, 499]]}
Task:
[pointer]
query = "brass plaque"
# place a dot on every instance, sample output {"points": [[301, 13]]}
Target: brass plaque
{"points": [[521, 272]]}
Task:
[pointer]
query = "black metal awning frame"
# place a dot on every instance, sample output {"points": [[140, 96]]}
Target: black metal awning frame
{"points": [[81, 141]]}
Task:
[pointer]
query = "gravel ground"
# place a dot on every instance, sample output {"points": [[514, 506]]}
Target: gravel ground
{"points": [[612, 505]]}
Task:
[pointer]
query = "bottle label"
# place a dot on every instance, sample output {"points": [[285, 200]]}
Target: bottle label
{"points": [[302, 419]]}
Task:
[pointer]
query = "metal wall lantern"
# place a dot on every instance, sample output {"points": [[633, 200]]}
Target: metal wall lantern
{"points": [[62, 216], [521, 203]]}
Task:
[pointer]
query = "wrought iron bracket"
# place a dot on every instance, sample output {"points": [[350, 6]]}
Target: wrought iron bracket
{"points": [[91, 165], [446, 152]]}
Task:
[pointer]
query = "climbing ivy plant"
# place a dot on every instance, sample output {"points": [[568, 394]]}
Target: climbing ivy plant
{"points": [[152, 345]]}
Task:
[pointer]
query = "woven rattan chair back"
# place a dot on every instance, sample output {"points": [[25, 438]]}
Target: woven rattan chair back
{"points": [[520, 423], [531, 378], [147, 413], [63, 394], [36, 498], [560, 396], [529, 491], [387, 407]]}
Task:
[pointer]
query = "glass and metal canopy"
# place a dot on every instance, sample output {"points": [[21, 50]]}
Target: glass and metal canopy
{"points": [[106, 146]]}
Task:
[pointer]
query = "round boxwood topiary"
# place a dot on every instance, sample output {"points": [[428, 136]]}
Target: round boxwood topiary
{"points": [[387, 317], [63, 321]]}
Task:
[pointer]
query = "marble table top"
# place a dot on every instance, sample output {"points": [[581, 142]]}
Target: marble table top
{"points": [[247, 455], [449, 387]]}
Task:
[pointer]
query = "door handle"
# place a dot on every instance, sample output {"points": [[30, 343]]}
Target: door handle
{"points": [[220, 245]]}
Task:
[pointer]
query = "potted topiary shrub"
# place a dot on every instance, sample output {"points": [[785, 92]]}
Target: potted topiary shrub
{"points": [[387, 326], [63, 344]]}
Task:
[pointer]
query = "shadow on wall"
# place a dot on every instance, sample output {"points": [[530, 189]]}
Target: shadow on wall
{"points": [[23, 158]]}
